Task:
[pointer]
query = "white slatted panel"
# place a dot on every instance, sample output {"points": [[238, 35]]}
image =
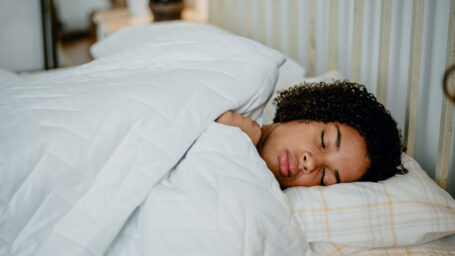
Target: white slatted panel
{"points": [[333, 46], [399, 60], [232, 17], [322, 36], [345, 32], [445, 131], [276, 6], [293, 26], [214, 12], [311, 64], [357, 41], [302, 32], [414, 75], [261, 21], [248, 18], [254, 19], [386, 12], [284, 26], [241, 19]]}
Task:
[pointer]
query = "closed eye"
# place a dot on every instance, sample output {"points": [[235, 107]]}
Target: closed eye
{"points": [[322, 178], [322, 140]]}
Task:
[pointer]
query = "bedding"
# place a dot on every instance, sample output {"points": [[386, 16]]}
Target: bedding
{"points": [[443, 247], [80, 150], [219, 200], [403, 210], [8, 78], [94, 161], [137, 35], [134, 36]]}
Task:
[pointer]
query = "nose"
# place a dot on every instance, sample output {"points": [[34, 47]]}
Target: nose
{"points": [[309, 162]]}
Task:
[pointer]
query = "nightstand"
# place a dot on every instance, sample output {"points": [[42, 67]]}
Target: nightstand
{"points": [[110, 21]]}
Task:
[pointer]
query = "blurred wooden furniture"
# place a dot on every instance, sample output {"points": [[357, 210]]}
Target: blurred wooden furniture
{"points": [[118, 3]]}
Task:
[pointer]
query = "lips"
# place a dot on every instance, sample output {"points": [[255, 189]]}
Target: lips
{"points": [[288, 164]]}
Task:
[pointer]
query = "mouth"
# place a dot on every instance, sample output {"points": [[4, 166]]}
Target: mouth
{"points": [[288, 164]]}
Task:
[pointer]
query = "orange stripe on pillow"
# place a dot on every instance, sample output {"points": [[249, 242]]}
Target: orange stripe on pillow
{"points": [[392, 224], [326, 217]]}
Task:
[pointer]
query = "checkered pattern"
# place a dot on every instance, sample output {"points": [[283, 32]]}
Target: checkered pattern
{"points": [[401, 211]]}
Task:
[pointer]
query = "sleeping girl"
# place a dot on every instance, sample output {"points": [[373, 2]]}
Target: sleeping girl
{"points": [[325, 134]]}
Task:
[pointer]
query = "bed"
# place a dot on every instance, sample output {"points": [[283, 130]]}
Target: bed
{"points": [[121, 156]]}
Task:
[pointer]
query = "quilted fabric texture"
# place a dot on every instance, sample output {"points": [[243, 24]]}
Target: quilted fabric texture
{"points": [[81, 149], [404, 210], [221, 199], [132, 36]]}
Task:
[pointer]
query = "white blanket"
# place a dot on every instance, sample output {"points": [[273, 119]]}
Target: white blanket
{"points": [[221, 199], [82, 149]]}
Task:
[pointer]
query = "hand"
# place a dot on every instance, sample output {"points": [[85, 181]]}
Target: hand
{"points": [[246, 124]]}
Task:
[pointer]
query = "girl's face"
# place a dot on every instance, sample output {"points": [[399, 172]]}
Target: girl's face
{"points": [[313, 153]]}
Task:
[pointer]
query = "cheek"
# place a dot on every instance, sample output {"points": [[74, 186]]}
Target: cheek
{"points": [[268, 157], [269, 150], [306, 180]]}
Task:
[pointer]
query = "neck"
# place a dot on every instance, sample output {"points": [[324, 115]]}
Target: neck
{"points": [[266, 130]]}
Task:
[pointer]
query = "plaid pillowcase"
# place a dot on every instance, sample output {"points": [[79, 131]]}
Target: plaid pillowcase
{"points": [[403, 210]]}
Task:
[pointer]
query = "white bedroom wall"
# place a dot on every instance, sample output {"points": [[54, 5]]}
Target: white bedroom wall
{"points": [[297, 40], [200, 6], [21, 46]]}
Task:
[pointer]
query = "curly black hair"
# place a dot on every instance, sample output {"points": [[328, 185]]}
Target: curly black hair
{"points": [[348, 103]]}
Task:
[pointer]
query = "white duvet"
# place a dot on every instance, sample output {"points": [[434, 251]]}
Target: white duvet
{"points": [[91, 158], [219, 200]]}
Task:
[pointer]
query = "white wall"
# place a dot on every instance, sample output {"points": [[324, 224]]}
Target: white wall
{"points": [[75, 14], [21, 44], [200, 6]]}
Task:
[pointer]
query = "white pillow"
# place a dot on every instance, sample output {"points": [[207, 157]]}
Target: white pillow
{"points": [[290, 72], [403, 210], [134, 36]]}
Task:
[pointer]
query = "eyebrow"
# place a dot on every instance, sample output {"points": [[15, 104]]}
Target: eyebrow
{"points": [[338, 142]]}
